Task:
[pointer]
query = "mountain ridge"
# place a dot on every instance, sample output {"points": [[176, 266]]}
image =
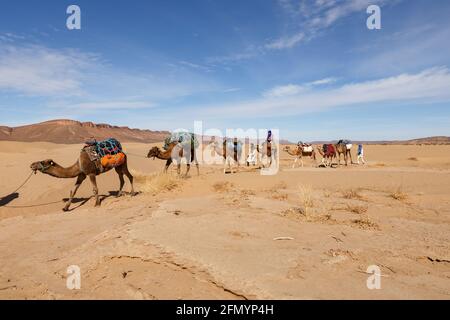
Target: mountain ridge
{"points": [[72, 131], [69, 131]]}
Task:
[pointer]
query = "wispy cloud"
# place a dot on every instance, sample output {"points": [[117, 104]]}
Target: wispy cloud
{"points": [[323, 81], [284, 91], [79, 78], [195, 66], [315, 16], [294, 89], [310, 18], [110, 105], [231, 90], [37, 70], [285, 42], [430, 85]]}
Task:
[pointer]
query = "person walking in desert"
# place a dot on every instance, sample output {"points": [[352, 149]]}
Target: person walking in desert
{"points": [[361, 154]]}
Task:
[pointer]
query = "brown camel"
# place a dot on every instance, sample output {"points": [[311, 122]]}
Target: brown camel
{"points": [[300, 152], [84, 167], [176, 152], [341, 148], [329, 155], [230, 150]]}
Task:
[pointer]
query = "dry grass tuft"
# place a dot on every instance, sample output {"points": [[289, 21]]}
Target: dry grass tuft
{"points": [[279, 196], [357, 209], [398, 194], [155, 183], [280, 186], [223, 186], [294, 212], [306, 198], [413, 159], [365, 223], [352, 194], [247, 192], [327, 193]]}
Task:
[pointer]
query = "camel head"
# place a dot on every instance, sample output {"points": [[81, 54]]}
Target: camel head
{"points": [[42, 166], [287, 148], [153, 153]]}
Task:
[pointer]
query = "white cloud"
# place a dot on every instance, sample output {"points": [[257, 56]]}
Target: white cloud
{"points": [[77, 78], [294, 89], [323, 81], [285, 42], [111, 105], [231, 90], [283, 91], [427, 86], [311, 18], [194, 66], [316, 16], [37, 70]]}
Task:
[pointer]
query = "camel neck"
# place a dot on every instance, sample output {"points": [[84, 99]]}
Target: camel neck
{"points": [[60, 172], [164, 155], [292, 153]]}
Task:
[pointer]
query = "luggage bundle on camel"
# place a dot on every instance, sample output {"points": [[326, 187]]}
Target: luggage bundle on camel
{"points": [[184, 138], [108, 153]]}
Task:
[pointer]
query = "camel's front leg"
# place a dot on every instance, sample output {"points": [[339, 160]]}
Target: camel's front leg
{"points": [[168, 163], [80, 180], [95, 189]]}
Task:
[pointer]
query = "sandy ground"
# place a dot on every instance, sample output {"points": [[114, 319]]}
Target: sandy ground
{"points": [[212, 236]]}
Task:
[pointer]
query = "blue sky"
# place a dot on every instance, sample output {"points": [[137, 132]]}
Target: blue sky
{"points": [[309, 68]]}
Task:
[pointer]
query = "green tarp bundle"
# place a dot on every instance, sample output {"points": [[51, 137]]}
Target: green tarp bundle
{"points": [[185, 138]]}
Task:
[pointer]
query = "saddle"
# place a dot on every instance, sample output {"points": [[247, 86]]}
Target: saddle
{"points": [[307, 148], [106, 154], [328, 150]]}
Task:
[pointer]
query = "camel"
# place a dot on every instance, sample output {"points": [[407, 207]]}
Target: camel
{"points": [[268, 151], [300, 152], [329, 155], [229, 151], [341, 148], [84, 167], [175, 151]]}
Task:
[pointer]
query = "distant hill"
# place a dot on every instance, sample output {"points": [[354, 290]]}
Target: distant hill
{"points": [[71, 132], [428, 140]]}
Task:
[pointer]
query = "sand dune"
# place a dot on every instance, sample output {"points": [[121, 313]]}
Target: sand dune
{"points": [[212, 236]]}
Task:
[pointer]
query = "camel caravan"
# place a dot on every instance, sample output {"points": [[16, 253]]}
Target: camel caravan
{"points": [[96, 158]]}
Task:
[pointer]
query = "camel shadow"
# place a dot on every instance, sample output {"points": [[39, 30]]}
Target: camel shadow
{"points": [[7, 199], [82, 201], [116, 193]]}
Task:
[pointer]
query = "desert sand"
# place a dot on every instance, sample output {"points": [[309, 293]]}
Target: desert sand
{"points": [[212, 236]]}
